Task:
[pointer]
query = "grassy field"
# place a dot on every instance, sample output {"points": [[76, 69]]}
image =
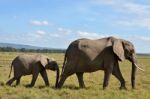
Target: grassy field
{"points": [[71, 90]]}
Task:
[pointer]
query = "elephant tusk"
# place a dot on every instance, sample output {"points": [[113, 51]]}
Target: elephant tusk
{"points": [[139, 67]]}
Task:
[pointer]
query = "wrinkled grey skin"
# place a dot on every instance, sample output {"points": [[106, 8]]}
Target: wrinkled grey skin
{"points": [[85, 55], [32, 64]]}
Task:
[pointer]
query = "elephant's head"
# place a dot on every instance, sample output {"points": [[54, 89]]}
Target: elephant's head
{"points": [[52, 65], [125, 50]]}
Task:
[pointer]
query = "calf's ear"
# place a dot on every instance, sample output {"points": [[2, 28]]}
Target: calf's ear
{"points": [[44, 60]]}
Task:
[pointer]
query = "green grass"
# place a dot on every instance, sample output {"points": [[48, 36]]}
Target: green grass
{"points": [[71, 90]]}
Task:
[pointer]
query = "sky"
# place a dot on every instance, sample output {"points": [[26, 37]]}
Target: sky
{"points": [[56, 23]]}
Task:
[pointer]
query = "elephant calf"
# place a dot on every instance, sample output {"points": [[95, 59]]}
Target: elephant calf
{"points": [[32, 64]]}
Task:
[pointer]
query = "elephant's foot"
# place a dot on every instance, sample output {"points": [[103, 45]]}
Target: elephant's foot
{"points": [[8, 83], [58, 86], [123, 88], [104, 88], [47, 85], [82, 86], [105, 85], [29, 86]]}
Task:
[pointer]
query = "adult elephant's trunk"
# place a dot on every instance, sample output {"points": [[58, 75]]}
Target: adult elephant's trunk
{"points": [[134, 68], [57, 77]]}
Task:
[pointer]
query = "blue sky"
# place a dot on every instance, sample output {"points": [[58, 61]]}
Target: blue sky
{"points": [[55, 23]]}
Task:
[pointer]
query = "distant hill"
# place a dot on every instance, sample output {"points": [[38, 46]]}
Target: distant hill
{"points": [[143, 54], [9, 47], [19, 46], [28, 47]]}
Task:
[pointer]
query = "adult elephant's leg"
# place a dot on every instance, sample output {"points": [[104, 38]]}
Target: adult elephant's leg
{"points": [[80, 79], [63, 77], [117, 73], [18, 80], [68, 70], [107, 72], [62, 80], [106, 78], [9, 82], [44, 76]]}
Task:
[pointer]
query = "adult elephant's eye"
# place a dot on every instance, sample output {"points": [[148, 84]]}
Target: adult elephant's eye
{"points": [[132, 51], [128, 54]]}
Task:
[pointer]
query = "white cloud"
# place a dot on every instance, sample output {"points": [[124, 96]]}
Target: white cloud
{"points": [[125, 6], [89, 35], [39, 23], [55, 35], [137, 8], [64, 30], [144, 23], [105, 2], [142, 39], [40, 32], [135, 14]]}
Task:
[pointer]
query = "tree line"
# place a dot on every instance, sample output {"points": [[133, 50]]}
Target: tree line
{"points": [[11, 49]]}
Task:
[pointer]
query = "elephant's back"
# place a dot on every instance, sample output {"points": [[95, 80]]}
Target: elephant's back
{"points": [[27, 59], [22, 64], [87, 48], [86, 55]]}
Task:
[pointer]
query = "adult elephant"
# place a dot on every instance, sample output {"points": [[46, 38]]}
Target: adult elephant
{"points": [[33, 64], [85, 55]]}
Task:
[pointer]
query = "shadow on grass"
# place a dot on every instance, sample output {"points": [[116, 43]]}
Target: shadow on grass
{"points": [[1, 66], [38, 87], [72, 87], [2, 84], [42, 86]]}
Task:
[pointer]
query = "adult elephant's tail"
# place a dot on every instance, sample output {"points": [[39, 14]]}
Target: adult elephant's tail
{"points": [[10, 70], [71, 46], [65, 58]]}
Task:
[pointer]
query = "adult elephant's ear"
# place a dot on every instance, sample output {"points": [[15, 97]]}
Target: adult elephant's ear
{"points": [[44, 60], [118, 49]]}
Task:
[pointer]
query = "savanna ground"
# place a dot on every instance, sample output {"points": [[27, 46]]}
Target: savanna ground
{"points": [[71, 90]]}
